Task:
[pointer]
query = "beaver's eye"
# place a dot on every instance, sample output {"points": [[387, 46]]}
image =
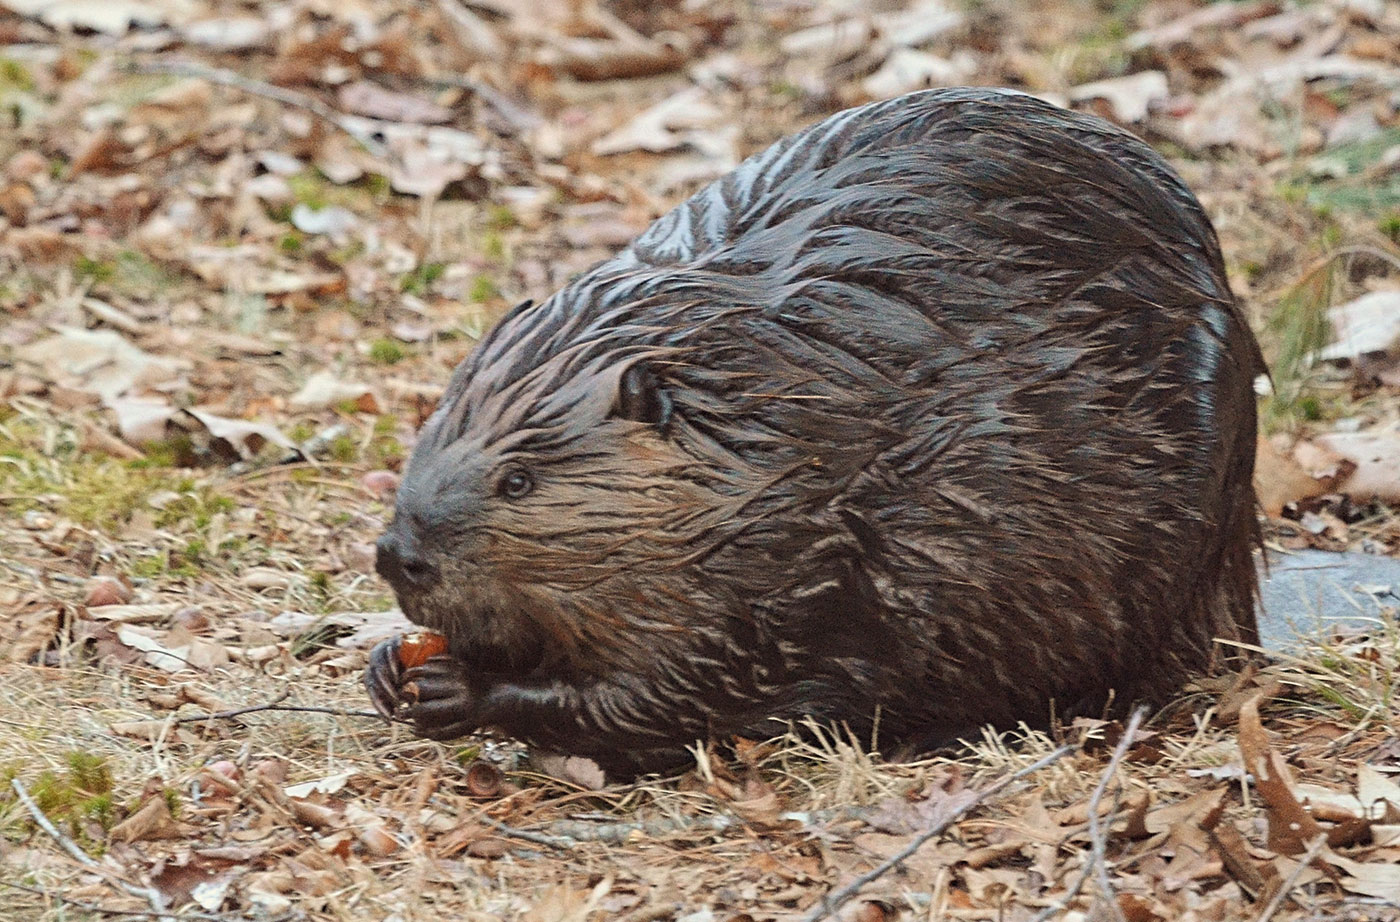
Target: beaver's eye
{"points": [[515, 483]]}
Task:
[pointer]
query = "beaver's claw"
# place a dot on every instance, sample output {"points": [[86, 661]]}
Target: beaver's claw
{"points": [[433, 696], [384, 677]]}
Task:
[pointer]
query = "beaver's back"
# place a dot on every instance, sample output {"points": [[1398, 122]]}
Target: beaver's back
{"points": [[967, 373]]}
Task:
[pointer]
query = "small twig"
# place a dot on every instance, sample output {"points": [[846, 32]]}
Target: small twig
{"points": [[275, 705], [137, 913], [1280, 895], [1097, 837], [148, 894], [235, 712], [1098, 856], [560, 842], [355, 127], [834, 900]]}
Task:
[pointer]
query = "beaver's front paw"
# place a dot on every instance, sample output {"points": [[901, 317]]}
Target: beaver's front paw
{"points": [[384, 677], [436, 698]]}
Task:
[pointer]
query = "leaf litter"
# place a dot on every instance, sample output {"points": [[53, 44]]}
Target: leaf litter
{"points": [[242, 249]]}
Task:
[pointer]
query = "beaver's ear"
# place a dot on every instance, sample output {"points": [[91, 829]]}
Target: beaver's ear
{"points": [[641, 398]]}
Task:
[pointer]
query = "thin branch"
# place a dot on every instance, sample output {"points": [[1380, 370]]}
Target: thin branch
{"points": [[560, 842], [235, 712], [126, 913], [276, 705], [358, 128], [1281, 894], [834, 900], [1098, 856]]}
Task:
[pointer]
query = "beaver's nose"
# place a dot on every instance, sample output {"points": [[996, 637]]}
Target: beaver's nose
{"points": [[401, 562]]}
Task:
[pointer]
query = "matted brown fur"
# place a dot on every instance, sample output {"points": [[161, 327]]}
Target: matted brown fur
{"points": [[940, 410]]}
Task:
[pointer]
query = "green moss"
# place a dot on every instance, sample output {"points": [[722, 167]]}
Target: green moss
{"points": [[386, 351], [195, 506], [421, 278], [291, 244], [152, 566], [377, 185], [301, 432], [172, 452], [15, 76], [384, 450], [493, 246], [1390, 226], [74, 798], [94, 270], [308, 188], [344, 449], [483, 289], [89, 772], [501, 217]]}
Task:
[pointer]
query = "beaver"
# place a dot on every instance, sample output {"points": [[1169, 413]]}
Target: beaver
{"points": [[934, 415]]}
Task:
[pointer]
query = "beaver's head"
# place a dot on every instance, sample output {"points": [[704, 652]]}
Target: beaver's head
{"points": [[557, 502], [645, 446]]}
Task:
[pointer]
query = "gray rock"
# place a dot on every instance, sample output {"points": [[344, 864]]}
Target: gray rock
{"points": [[1307, 593]]}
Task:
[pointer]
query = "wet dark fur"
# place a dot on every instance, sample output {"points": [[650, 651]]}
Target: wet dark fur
{"points": [[940, 409]]}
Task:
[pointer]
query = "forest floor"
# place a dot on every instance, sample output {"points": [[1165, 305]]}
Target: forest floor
{"points": [[243, 244]]}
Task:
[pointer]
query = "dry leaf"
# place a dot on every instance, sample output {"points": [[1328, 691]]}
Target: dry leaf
{"points": [[1290, 826]]}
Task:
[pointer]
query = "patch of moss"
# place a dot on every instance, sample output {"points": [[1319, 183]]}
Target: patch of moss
{"points": [[387, 351], [128, 273], [79, 795], [501, 217], [173, 452], [385, 450], [344, 449], [165, 564], [308, 188], [483, 288], [377, 185], [1390, 226], [493, 246], [15, 76], [89, 772], [421, 278], [94, 270], [195, 506]]}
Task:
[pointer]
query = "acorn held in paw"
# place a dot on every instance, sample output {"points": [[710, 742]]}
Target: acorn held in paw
{"points": [[938, 413]]}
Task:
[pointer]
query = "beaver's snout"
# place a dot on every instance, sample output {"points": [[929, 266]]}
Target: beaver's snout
{"points": [[400, 559]]}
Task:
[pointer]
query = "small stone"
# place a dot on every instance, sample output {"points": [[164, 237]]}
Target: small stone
{"points": [[106, 591], [226, 767], [192, 618], [26, 165]]}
